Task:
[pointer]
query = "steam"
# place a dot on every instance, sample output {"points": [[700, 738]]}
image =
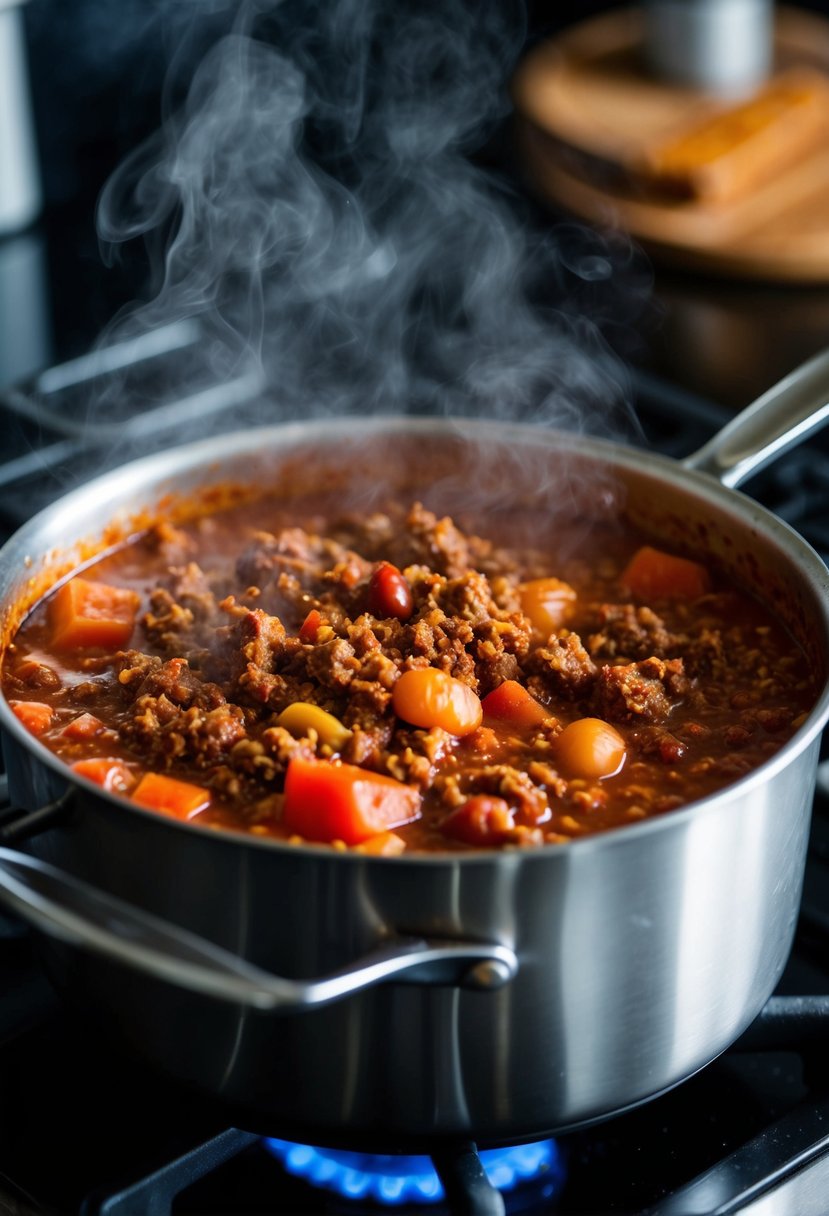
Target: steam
{"points": [[315, 203]]}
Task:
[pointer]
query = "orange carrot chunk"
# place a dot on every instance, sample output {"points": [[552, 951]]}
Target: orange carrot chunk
{"points": [[34, 715], [112, 774], [510, 702], [326, 801], [654, 574], [85, 614], [171, 796]]}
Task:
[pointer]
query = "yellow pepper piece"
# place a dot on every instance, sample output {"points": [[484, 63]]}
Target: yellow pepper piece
{"points": [[302, 716]]}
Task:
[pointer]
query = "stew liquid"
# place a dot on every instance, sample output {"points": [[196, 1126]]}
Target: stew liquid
{"points": [[391, 682]]}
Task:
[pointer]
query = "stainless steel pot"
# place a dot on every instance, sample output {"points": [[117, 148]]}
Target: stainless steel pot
{"points": [[498, 994]]}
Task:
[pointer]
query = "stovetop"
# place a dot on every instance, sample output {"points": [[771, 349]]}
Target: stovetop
{"points": [[86, 1129]]}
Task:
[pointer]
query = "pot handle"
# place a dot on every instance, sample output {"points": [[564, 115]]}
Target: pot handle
{"points": [[71, 910], [784, 416]]}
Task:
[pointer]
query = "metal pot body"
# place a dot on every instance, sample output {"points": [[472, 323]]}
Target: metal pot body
{"points": [[643, 953]]}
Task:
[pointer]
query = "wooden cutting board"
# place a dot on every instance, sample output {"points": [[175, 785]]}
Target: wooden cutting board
{"points": [[585, 104]]}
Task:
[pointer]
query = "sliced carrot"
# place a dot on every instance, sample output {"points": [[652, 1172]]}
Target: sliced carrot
{"points": [[85, 726], [328, 801], [112, 774], [177, 798], [34, 715], [654, 574], [84, 613], [510, 702]]}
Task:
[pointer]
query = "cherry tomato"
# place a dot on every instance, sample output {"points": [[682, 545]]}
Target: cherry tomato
{"points": [[590, 747], [427, 697], [389, 594], [548, 602]]}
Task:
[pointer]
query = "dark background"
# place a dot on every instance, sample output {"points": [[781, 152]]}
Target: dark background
{"points": [[97, 72]]}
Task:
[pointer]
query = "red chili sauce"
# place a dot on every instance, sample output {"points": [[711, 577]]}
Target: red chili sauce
{"points": [[392, 683]]}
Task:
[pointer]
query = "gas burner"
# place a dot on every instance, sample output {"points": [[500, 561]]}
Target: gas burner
{"points": [[399, 1181]]}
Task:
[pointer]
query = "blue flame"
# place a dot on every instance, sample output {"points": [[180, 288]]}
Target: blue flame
{"points": [[391, 1179]]}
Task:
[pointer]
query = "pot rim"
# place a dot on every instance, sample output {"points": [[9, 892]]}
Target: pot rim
{"points": [[210, 454]]}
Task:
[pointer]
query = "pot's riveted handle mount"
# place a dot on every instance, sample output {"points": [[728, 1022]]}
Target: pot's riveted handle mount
{"points": [[784, 416], [71, 910]]}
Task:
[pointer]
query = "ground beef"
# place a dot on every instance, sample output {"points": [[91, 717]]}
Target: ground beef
{"points": [[247, 613], [644, 692], [631, 632], [564, 667]]}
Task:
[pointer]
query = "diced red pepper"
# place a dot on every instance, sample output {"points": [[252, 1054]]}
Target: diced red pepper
{"points": [[309, 627]]}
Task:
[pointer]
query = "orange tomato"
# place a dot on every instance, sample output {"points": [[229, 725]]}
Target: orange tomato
{"points": [[548, 602], [591, 748], [427, 697]]}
